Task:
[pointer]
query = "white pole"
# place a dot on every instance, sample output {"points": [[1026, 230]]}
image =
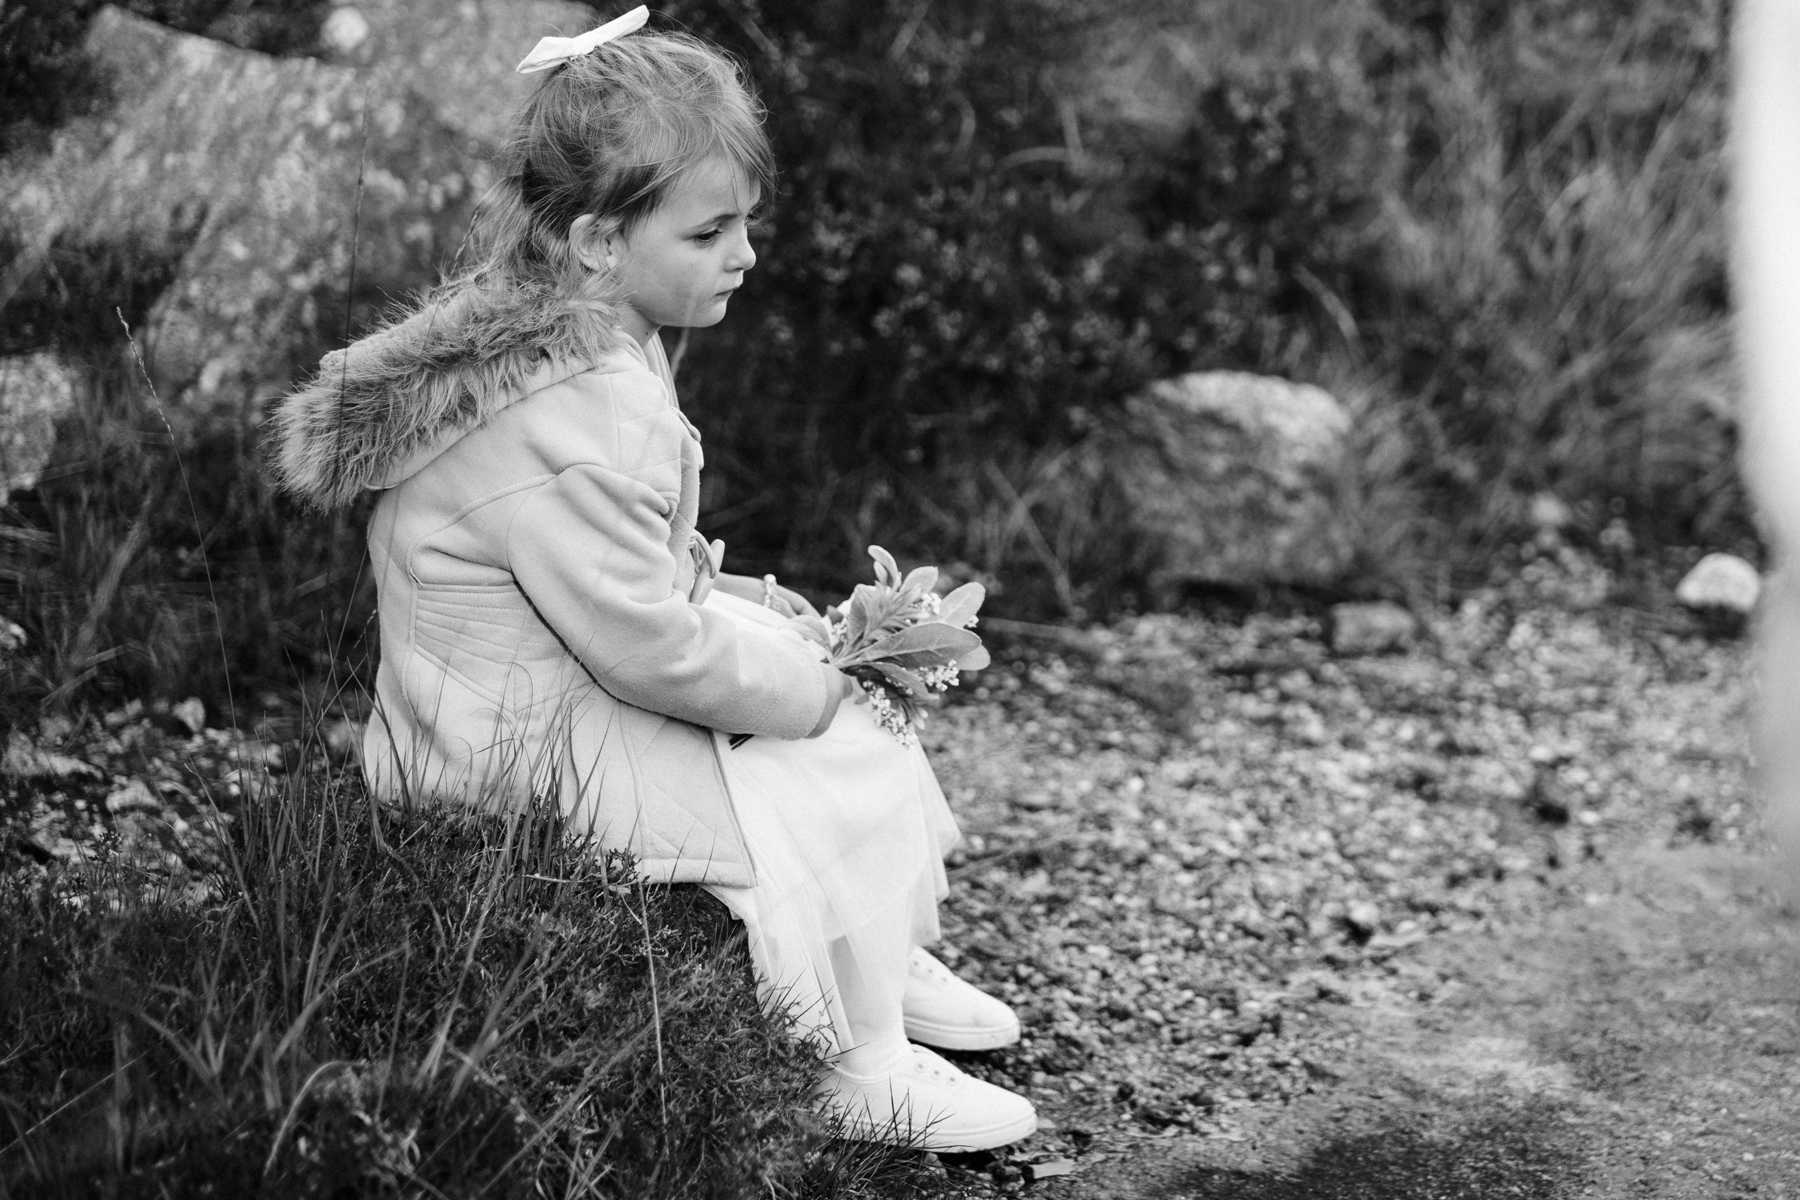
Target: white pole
{"points": [[1766, 279]]}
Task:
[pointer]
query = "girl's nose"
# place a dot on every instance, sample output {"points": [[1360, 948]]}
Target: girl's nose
{"points": [[742, 256]]}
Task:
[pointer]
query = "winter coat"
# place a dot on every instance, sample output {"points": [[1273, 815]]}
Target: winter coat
{"points": [[533, 554]]}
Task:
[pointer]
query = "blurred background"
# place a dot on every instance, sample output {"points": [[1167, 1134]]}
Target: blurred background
{"points": [[1116, 305]]}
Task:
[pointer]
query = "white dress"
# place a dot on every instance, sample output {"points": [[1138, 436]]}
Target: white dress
{"points": [[847, 834]]}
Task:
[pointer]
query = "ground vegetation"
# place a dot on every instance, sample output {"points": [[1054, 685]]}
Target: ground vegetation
{"points": [[1197, 846], [1494, 231]]}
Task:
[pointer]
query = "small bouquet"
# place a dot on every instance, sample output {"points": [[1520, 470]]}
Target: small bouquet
{"points": [[901, 641]]}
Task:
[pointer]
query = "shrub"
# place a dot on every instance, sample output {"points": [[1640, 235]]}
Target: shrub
{"points": [[156, 558], [1551, 300]]}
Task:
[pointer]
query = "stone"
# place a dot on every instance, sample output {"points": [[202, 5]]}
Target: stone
{"points": [[1720, 581], [1548, 514], [1370, 628], [1228, 478], [460, 58], [36, 392], [191, 713], [240, 179], [1363, 918], [24, 759], [344, 30], [134, 796], [343, 739]]}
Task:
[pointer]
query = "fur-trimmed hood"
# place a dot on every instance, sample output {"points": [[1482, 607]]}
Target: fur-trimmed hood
{"points": [[379, 410]]}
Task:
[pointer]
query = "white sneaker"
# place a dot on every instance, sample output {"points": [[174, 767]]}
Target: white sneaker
{"points": [[944, 1011], [927, 1104]]}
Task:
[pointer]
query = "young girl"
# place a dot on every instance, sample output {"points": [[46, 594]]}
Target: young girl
{"points": [[553, 625]]}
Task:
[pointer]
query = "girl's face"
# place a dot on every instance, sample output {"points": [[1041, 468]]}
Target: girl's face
{"points": [[681, 263]]}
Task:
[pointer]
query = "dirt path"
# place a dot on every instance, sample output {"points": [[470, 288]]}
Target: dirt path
{"points": [[1642, 1041], [1488, 917]]}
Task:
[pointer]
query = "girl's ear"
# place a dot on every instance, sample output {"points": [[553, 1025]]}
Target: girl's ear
{"points": [[596, 242]]}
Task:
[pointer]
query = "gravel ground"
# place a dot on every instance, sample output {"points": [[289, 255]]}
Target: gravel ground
{"points": [[1193, 844]]}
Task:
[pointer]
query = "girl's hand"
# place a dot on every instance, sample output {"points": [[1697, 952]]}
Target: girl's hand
{"points": [[790, 603], [840, 686], [814, 630]]}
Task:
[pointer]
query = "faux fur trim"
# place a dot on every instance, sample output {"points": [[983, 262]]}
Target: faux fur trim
{"points": [[443, 370]]}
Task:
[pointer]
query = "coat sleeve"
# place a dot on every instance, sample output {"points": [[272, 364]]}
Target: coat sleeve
{"points": [[590, 550]]}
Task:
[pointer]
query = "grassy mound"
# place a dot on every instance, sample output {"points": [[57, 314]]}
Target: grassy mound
{"points": [[358, 1002]]}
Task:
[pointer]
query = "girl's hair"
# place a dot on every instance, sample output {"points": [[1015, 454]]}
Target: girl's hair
{"points": [[609, 133]]}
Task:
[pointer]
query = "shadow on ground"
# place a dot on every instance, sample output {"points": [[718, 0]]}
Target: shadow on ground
{"points": [[1513, 1155]]}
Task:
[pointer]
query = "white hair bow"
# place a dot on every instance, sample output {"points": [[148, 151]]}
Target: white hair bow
{"points": [[555, 51]]}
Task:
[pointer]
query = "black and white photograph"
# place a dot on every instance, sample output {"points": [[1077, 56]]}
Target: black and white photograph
{"points": [[867, 599]]}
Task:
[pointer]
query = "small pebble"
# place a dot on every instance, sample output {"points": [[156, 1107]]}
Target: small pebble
{"points": [[1049, 1169], [343, 739], [1363, 917], [1370, 628], [191, 713], [135, 796], [1721, 581]]}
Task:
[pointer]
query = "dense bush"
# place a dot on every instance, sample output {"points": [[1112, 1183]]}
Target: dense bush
{"points": [[963, 267]]}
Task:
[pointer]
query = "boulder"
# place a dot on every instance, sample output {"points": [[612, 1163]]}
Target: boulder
{"points": [[1229, 478], [239, 174], [1720, 581], [36, 391], [248, 187]]}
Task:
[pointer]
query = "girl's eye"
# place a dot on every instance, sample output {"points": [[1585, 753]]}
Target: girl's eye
{"points": [[707, 238]]}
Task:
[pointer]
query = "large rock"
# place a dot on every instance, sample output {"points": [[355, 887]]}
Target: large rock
{"points": [[460, 57], [1230, 478], [36, 391], [251, 184]]}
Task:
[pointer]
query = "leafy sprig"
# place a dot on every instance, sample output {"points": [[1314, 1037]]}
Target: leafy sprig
{"points": [[901, 641]]}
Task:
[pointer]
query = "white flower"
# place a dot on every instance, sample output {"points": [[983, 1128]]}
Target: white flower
{"points": [[888, 715], [940, 678]]}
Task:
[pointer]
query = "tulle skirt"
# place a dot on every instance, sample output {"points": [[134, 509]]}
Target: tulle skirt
{"points": [[847, 834]]}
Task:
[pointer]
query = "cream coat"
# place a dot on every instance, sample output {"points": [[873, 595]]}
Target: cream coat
{"points": [[531, 553]]}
